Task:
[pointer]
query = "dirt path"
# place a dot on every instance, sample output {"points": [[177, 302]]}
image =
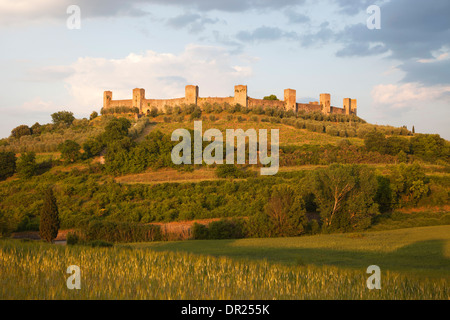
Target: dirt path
{"points": [[146, 132]]}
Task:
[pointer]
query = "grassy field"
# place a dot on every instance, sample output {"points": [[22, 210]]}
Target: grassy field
{"points": [[422, 251], [289, 135], [325, 267]]}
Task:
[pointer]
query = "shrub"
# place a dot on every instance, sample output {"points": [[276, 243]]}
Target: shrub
{"points": [[99, 244], [153, 112], [72, 239], [120, 232], [93, 115], [271, 98], [231, 171], [26, 165], [199, 232], [7, 164], [225, 229], [70, 151]]}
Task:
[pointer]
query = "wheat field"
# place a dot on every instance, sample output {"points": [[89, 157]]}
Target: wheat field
{"points": [[38, 271]]}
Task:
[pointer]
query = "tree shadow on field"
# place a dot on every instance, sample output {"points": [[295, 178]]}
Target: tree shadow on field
{"points": [[425, 257]]}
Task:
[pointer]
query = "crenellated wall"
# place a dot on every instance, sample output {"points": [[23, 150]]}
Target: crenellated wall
{"points": [[240, 97]]}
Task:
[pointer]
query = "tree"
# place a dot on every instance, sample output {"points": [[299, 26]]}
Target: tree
{"points": [[286, 212], [64, 117], [93, 147], [26, 165], [49, 224], [21, 131], [375, 141], [36, 129], [70, 151], [409, 184], [430, 147], [4, 225], [345, 197], [271, 98], [7, 164], [116, 129], [94, 115]]}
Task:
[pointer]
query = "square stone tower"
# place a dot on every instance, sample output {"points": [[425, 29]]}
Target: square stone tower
{"points": [[240, 95], [354, 106], [191, 95], [325, 101], [347, 105], [290, 99], [107, 97], [138, 99]]}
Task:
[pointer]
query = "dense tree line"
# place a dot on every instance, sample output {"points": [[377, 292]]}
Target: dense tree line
{"points": [[344, 198], [428, 147]]}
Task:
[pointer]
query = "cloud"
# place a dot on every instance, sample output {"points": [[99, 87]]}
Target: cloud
{"points": [[26, 11], [352, 7], [37, 105], [265, 33], [323, 35], [49, 74], [428, 71], [192, 21], [295, 17], [410, 29], [408, 95], [163, 75]]}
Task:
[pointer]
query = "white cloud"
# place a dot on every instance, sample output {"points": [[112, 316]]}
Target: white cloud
{"points": [[38, 105], [408, 95], [163, 75]]}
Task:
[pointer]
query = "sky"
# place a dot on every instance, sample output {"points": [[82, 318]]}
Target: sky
{"points": [[400, 73]]}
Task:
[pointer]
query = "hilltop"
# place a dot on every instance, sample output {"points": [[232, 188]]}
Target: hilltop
{"points": [[117, 168]]}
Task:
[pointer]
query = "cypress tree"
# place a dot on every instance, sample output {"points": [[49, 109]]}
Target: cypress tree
{"points": [[49, 224]]}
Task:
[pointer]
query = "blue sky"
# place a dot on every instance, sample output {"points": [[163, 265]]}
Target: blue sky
{"points": [[400, 74]]}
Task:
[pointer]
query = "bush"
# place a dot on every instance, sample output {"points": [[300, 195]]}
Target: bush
{"points": [[94, 115], [218, 230], [70, 151], [120, 232], [153, 112], [225, 229], [199, 232], [313, 227], [99, 244], [26, 165], [72, 239], [7, 164], [231, 171]]}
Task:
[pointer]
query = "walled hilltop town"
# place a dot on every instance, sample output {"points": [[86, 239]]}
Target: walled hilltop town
{"points": [[241, 97]]}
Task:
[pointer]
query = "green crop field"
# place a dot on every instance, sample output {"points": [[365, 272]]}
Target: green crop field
{"points": [[414, 263]]}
